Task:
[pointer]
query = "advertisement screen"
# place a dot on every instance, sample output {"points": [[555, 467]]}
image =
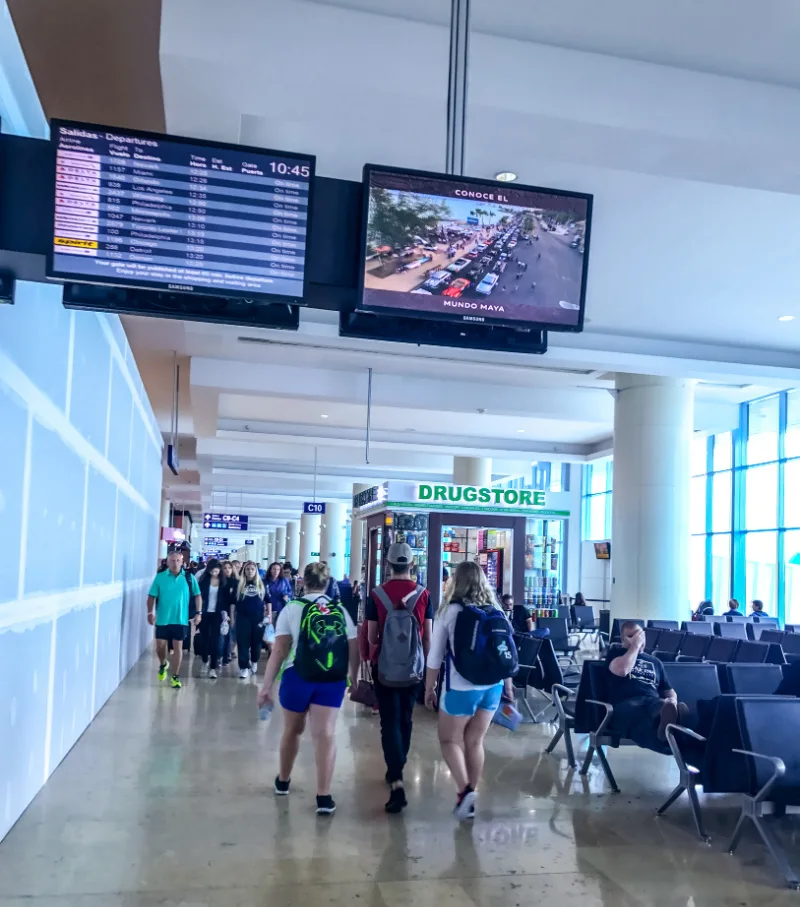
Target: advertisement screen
{"points": [[179, 215], [448, 247]]}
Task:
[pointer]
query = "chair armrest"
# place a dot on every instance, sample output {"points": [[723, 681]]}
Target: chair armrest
{"points": [[685, 730], [607, 717], [561, 694], [777, 763], [670, 732]]}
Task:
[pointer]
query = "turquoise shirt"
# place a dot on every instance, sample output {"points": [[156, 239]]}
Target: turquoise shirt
{"points": [[172, 597]]}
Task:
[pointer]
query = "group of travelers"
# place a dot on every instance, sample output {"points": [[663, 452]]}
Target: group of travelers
{"points": [[706, 609]]}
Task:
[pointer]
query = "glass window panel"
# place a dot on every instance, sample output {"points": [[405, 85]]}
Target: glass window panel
{"points": [[597, 516], [792, 441], [761, 497], [720, 571], [762, 432], [723, 451], [598, 477], [761, 570], [557, 476], [792, 555], [697, 512], [791, 493], [721, 503], [699, 455], [697, 569]]}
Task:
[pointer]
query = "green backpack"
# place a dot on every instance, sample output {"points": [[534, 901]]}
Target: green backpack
{"points": [[323, 651]]}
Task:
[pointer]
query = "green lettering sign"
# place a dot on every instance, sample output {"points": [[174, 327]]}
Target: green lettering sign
{"points": [[470, 495], [484, 496], [511, 496], [439, 493], [525, 498], [538, 499], [425, 492], [454, 493]]}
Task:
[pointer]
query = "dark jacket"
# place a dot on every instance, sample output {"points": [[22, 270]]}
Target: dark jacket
{"points": [[223, 596]]}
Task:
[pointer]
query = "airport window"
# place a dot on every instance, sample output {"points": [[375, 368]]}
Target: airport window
{"points": [[598, 480]]}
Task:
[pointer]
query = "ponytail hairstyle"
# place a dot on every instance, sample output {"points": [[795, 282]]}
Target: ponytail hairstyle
{"points": [[469, 585]]}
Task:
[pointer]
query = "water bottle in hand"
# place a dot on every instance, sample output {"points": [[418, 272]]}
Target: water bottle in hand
{"points": [[264, 712]]}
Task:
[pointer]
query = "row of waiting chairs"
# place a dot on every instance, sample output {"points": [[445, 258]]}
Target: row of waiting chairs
{"points": [[751, 745], [674, 645]]}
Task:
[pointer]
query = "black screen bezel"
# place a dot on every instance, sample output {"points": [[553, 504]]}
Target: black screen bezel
{"points": [[466, 319], [63, 277]]}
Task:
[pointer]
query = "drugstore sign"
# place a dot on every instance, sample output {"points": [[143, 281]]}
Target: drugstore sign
{"points": [[436, 496], [471, 494]]}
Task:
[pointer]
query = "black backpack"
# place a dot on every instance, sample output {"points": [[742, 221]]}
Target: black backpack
{"points": [[323, 651], [484, 650]]}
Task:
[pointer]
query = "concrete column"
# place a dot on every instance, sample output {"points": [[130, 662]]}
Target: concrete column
{"points": [[293, 542], [271, 546], [653, 425], [165, 511], [280, 544], [333, 535], [309, 539], [472, 471], [356, 538]]}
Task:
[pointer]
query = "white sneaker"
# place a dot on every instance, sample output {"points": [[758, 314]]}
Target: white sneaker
{"points": [[465, 807], [253, 668], [204, 670], [212, 674], [244, 674]]}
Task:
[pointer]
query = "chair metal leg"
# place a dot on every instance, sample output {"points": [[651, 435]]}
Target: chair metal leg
{"points": [[554, 742], [768, 836], [697, 815], [670, 800], [607, 769], [737, 833], [570, 750], [587, 761]]}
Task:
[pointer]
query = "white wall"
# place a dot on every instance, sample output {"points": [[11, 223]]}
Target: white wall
{"points": [[80, 495], [595, 575]]}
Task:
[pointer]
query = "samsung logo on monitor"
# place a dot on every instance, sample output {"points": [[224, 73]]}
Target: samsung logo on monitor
{"points": [[180, 286]]}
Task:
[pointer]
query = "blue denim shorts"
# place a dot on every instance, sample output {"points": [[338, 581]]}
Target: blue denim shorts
{"points": [[297, 694], [464, 703]]}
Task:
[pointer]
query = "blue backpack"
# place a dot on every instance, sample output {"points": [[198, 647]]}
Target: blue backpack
{"points": [[484, 651]]}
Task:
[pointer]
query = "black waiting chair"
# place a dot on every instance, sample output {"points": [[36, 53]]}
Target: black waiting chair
{"points": [[584, 621], [770, 732], [734, 618], [530, 670], [709, 759], [663, 624], [748, 652], [750, 679], [559, 636], [732, 631], [698, 627], [618, 622], [792, 628], [773, 636], [721, 650], [669, 644], [651, 639], [694, 647], [770, 621], [791, 644]]}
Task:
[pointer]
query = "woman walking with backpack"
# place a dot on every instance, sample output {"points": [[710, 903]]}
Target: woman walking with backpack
{"points": [[252, 612], [398, 617], [315, 646], [473, 636]]}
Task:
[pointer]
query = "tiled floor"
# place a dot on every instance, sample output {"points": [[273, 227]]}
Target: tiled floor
{"points": [[166, 800]]}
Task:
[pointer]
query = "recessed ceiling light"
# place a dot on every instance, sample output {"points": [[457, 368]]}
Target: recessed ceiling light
{"points": [[323, 415], [521, 431], [506, 176], [786, 318]]}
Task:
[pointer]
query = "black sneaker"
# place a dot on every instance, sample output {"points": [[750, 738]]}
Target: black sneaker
{"points": [[282, 787], [325, 806], [397, 800]]}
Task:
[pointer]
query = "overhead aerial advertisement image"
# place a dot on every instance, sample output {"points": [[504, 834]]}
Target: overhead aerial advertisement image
{"points": [[490, 253]]}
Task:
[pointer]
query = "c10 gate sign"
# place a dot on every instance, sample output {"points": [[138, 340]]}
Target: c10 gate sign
{"points": [[471, 494]]}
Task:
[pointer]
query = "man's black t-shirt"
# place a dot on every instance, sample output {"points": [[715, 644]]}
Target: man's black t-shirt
{"points": [[520, 616], [646, 680]]}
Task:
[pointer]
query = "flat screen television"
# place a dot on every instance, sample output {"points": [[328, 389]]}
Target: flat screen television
{"points": [[475, 251], [178, 215], [602, 551]]}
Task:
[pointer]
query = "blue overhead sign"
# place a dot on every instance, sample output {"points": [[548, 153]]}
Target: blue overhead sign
{"points": [[249, 541], [233, 521], [313, 507]]}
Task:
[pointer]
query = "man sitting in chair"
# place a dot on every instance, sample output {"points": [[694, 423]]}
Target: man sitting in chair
{"points": [[644, 704]]}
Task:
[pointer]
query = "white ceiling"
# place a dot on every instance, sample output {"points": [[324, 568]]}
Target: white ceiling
{"points": [[683, 120]]}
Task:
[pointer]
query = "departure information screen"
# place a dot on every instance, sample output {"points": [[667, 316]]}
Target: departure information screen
{"points": [[177, 214]]}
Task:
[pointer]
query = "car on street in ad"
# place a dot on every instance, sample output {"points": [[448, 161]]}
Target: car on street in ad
{"points": [[459, 264], [488, 283], [456, 288], [437, 280]]}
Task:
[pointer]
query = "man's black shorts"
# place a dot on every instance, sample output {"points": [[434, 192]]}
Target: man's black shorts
{"points": [[172, 632]]}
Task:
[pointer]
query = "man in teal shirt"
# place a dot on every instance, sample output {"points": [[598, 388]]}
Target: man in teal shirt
{"points": [[168, 608]]}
